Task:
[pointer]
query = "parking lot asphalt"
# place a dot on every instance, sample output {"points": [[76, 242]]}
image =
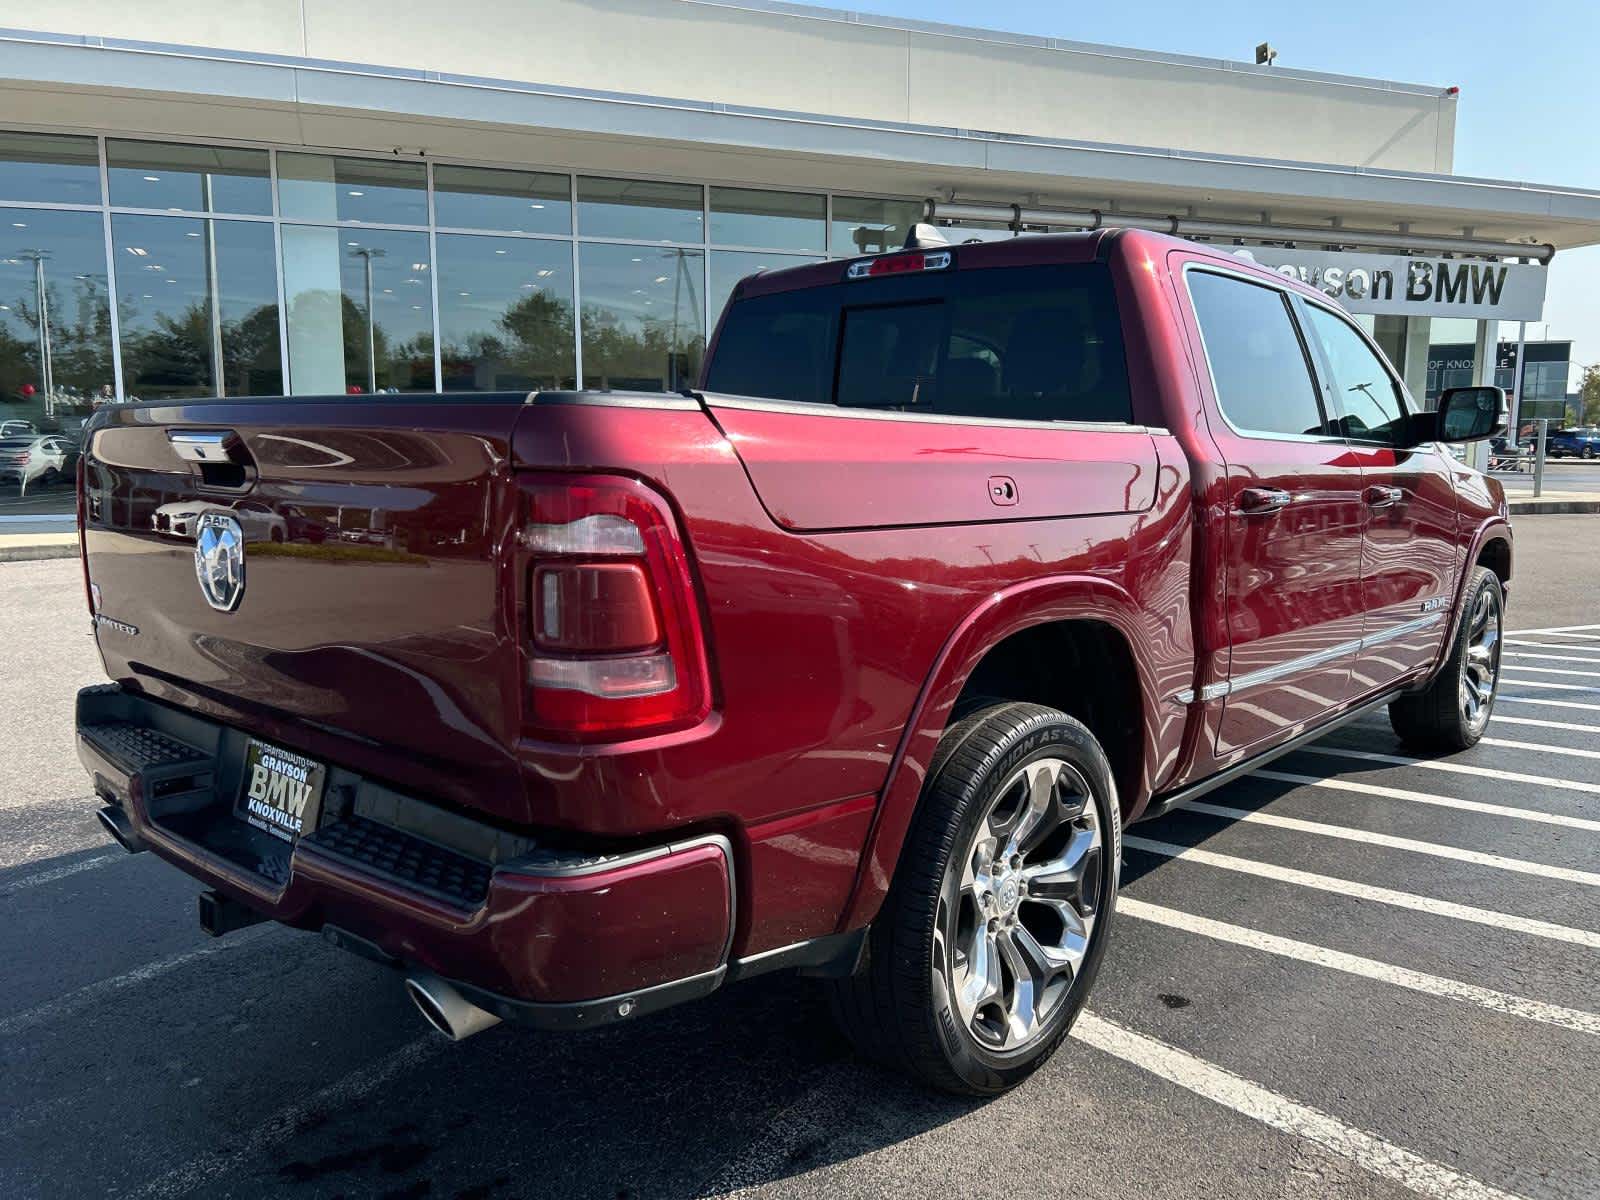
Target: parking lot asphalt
{"points": [[1358, 973]]}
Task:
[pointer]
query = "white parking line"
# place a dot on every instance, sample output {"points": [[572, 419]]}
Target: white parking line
{"points": [[1366, 968], [1457, 768], [84, 996], [1541, 747], [1572, 658], [1394, 793], [1552, 670], [55, 873], [1502, 699], [1539, 683], [1366, 891], [1368, 1151], [1575, 630], [1345, 833], [1570, 726]]}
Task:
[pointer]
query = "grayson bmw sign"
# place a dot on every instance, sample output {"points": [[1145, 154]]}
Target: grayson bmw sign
{"points": [[219, 560], [1422, 286]]}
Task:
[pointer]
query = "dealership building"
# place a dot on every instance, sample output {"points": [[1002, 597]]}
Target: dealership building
{"points": [[315, 196]]}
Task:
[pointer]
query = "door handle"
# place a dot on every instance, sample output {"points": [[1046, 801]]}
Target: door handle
{"points": [[1382, 497], [1262, 501]]}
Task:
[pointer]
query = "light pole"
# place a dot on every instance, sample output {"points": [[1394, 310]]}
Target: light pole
{"points": [[367, 254], [41, 301]]}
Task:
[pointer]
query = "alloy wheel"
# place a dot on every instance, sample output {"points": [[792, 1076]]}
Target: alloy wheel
{"points": [[1019, 905], [1481, 670]]}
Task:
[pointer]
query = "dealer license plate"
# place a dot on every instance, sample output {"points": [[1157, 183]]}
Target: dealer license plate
{"points": [[281, 793]]}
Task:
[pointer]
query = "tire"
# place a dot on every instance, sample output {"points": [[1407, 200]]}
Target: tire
{"points": [[919, 1005], [1588, 452], [1452, 712]]}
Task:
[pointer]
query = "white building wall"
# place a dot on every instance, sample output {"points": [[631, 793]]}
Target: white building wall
{"points": [[819, 63]]}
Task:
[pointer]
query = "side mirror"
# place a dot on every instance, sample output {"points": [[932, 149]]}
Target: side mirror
{"points": [[1470, 414]]}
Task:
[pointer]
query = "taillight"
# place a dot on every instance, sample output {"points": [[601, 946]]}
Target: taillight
{"points": [[613, 640], [899, 264]]}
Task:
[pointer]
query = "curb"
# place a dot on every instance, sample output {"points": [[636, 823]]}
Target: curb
{"points": [[35, 553], [1543, 506]]}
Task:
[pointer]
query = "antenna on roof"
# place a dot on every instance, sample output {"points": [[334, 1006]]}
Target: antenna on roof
{"points": [[922, 235], [1265, 54]]}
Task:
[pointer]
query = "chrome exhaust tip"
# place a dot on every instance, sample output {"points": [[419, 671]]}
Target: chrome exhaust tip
{"points": [[446, 1009], [115, 822]]}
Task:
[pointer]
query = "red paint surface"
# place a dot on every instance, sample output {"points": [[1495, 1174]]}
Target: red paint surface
{"points": [[850, 574]]}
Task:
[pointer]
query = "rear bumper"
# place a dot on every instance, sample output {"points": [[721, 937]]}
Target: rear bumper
{"points": [[555, 939]]}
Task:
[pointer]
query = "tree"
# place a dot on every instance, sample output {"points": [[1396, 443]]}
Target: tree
{"points": [[1589, 395]]}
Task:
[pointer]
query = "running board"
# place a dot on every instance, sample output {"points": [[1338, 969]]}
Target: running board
{"points": [[1162, 805]]}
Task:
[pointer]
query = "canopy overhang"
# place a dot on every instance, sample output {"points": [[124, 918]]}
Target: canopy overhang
{"points": [[76, 83]]}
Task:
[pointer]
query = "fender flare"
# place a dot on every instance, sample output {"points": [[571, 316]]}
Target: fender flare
{"points": [[997, 617], [1494, 527]]}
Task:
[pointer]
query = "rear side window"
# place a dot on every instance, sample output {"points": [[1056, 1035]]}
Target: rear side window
{"points": [[1020, 343], [1258, 365]]}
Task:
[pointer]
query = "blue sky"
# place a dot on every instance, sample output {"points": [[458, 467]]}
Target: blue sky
{"points": [[1529, 108]]}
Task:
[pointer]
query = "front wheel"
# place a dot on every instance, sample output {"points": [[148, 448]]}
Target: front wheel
{"points": [[995, 924], [1452, 712]]}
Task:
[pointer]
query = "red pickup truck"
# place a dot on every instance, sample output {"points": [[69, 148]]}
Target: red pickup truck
{"points": [[573, 706]]}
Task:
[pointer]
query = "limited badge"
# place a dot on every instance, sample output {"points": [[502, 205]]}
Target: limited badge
{"points": [[219, 560]]}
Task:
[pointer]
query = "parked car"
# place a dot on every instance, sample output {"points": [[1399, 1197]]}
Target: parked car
{"points": [[16, 428], [1574, 443], [856, 661], [34, 460]]}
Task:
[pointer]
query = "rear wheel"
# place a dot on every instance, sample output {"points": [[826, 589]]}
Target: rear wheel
{"points": [[1453, 711], [996, 921]]}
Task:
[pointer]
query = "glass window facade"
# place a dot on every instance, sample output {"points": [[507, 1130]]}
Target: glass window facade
{"points": [[212, 179], [373, 191], [865, 226], [641, 209], [43, 168], [197, 305], [135, 269], [644, 322], [774, 220], [505, 314], [511, 201]]}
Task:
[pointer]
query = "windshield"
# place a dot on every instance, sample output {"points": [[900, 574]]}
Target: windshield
{"points": [[1036, 343]]}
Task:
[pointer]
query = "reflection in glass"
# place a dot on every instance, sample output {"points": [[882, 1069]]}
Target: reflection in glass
{"points": [[221, 179], [640, 209], [197, 304], [47, 168], [643, 317], [360, 310], [55, 319], [515, 201], [779, 220], [730, 266], [863, 226], [317, 187], [505, 313]]}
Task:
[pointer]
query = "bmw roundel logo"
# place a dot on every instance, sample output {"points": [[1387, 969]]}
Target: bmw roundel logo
{"points": [[219, 560]]}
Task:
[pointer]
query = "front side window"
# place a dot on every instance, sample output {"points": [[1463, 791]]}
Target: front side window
{"points": [[1028, 343], [1366, 393], [1258, 366]]}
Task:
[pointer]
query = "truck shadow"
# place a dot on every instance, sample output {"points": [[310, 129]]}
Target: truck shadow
{"points": [[747, 1087]]}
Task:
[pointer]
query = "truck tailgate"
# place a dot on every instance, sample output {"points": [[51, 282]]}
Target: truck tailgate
{"points": [[368, 620]]}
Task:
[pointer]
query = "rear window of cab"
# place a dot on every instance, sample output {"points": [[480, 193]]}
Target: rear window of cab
{"points": [[1039, 343]]}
